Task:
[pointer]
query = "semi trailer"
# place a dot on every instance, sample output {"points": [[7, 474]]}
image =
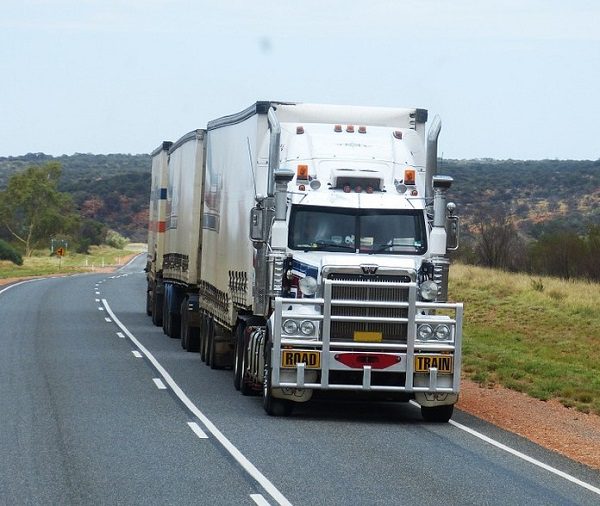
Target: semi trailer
{"points": [[306, 247]]}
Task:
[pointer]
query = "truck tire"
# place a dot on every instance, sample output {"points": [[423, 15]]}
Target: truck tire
{"points": [[437, 414], [190, 336], [148, 302], [157, 304], [203, 335], [272, 405]]}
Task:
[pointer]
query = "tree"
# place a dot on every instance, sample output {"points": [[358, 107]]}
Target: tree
{"points": [[497, 241], [32, 209]]}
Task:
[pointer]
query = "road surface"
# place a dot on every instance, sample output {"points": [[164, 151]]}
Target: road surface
{"points": [[100, 407]]}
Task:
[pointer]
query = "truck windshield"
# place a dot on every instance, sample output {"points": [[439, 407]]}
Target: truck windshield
{"points": [[386, 231]]}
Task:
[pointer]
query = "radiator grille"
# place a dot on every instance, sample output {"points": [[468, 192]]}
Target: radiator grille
{"points": [[391, 332]]}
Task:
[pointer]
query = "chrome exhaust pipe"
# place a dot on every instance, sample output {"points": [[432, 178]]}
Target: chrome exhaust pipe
{"points": [[431, 160]]}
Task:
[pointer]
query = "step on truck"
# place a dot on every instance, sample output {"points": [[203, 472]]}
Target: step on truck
{"points": [[306, 247]]}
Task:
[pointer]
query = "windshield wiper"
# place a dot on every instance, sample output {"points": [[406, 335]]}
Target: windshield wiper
{"points": [[385, 247], [322, 245]]}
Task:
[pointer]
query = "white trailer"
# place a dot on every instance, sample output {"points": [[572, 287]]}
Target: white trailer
{"points": [[323, 260], [156, 231]]}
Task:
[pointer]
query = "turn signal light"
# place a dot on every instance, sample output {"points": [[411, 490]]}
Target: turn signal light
{"points": [[409, 176], [302, 171]]}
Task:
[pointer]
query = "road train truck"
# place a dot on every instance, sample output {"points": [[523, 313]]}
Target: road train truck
{"points": [[306, 247]]}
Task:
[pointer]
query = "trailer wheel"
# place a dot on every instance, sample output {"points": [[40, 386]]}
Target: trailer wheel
{"points": [[437, 414], [157, 304], [148, 302], [273, 406]]}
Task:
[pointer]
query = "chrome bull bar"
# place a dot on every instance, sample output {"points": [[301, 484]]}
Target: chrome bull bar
{"points": [[430, 382]]}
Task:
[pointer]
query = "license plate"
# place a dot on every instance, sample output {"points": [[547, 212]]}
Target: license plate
{"points": [[368, 337], [311, 359], [443, 363]]}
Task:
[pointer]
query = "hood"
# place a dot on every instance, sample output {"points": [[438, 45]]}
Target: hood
{"points": [[317, 262]]}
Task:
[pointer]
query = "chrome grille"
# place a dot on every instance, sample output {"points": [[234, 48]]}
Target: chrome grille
{"points": [[391, 332]]}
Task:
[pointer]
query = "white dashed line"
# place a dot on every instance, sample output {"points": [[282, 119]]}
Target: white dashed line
{"points": [[250, 468], [159, 384], [136, 354], [107, 320], [121, 335]]}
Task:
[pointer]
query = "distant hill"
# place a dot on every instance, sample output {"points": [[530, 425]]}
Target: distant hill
{"points": [[113, 189], [542, 194]]}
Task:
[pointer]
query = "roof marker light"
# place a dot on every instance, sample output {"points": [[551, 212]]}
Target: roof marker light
{"points": [[358, 188], [362, 129], [369, 189], [337, 128], [350, 129], [398, 134], [299, 129], [347, 188]]}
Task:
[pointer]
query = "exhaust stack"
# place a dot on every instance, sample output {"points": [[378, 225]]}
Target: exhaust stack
{"points": [[431, 160]]}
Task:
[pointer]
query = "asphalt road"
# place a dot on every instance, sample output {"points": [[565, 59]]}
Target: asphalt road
{"points": [[85, 420]]}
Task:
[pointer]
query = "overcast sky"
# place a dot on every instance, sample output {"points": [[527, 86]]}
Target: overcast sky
{"points": [[510, 78]]}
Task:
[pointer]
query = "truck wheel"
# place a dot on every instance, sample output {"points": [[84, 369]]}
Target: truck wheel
{"points": [[437, 414], [184, 325], [157, 304], [237, 354], [148, 302], [272, 405], [165, 313]]}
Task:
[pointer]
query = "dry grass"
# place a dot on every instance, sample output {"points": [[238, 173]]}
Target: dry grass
{"points": [[537, 335]]}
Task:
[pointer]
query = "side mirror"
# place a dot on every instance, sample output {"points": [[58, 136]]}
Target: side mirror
{"points": [[257, 224], [452, 233]]}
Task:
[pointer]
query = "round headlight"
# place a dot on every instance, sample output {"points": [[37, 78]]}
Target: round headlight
{"points": [[442, 332], [307, 328], [290, 326], [429, 290], [308, 285], [424, 332]]}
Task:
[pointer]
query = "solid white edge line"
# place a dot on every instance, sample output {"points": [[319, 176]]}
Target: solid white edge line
{"points": [[526, 458], [259, 499], [17, 284], [197, 430], [136, 354], [233, 451], [159, 384], [520, 455]]}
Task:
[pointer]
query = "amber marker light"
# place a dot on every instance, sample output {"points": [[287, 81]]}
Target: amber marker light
{"points": [[409, 176], [302, 171]]}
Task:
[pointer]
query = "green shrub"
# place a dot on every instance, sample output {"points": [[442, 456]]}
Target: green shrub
{"points": [[116, 240], [7, 252]]}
